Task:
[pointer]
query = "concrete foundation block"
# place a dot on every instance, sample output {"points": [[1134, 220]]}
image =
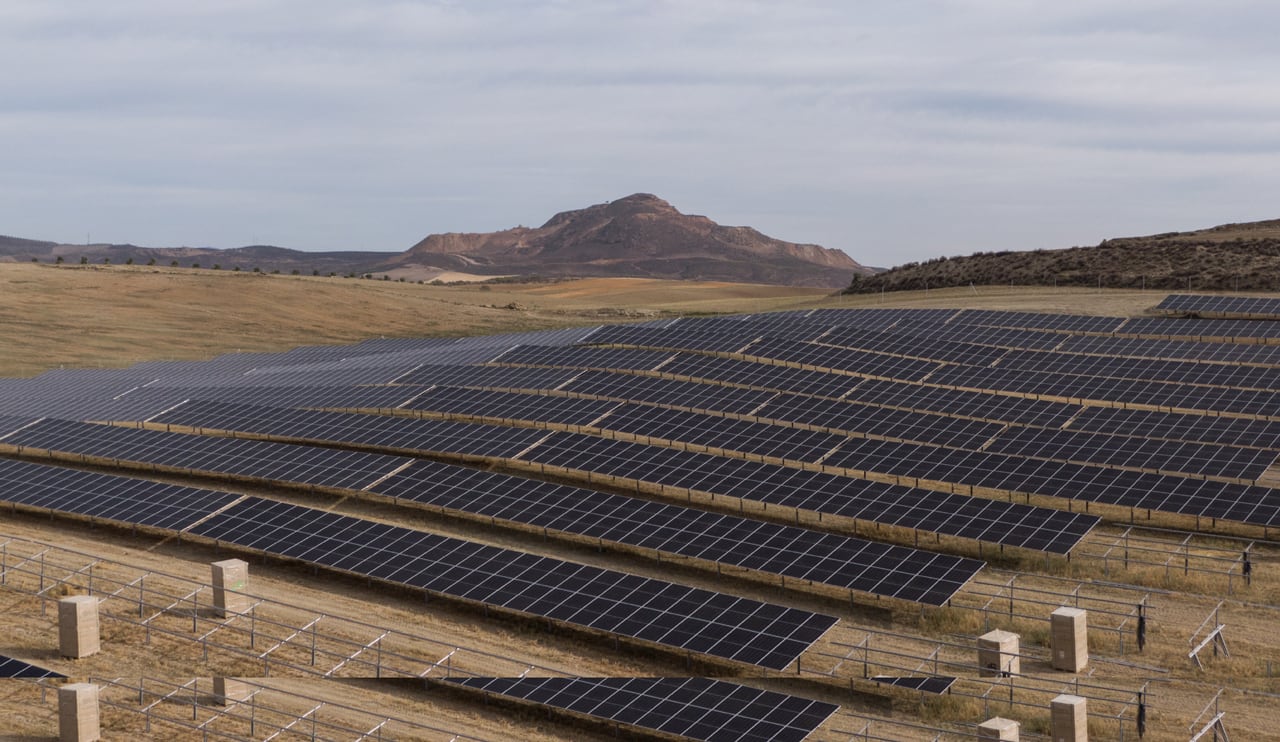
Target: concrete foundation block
{"points": [[229, 577], [1069, 637], [78, 713], [1069, 719], [227, 691], [998, 654], [78, 631], [1004, 730]]}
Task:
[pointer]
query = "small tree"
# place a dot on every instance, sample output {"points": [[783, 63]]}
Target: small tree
{"points": [[173, 264], [106, 261], [151, 261], [296, 272], [84, 260], [256, 269], [236, 269], [217, 266], [129, 261], [58, 260], [195, 265]]}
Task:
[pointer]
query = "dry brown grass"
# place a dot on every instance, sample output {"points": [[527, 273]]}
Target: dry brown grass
{"points": [[111, 316]]}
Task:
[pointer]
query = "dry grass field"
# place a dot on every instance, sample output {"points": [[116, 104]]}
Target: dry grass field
{"points": [[112, 316]]}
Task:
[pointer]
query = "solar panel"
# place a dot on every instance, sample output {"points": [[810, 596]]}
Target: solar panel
{"points": [[690, 394], [840, 359], [907, 345], [934, 684], [878, 318], [692, 708], [731, 434], [865, 419], [762, 376], [1250, 354], [511, 406], [11, 668], [1161, 394], [975, 404], [935, 512], [1235, 330], [650, 610], [263, 460], [1001, 472], [135, 501], [1182, 372], [1222, 306], [1077, 323], [584, 357], [1230, 431], [388, 433], [10, 423], [724, 339], [996, 337], [856, 564], [489, 377], [1136, 452]]}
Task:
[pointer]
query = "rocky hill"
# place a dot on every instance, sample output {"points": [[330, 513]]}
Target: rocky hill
{"points": [[640, 235], [1226, 257], [637, 236]]}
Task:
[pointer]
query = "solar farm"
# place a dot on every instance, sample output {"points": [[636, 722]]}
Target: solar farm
{"points": [[801, 525]]}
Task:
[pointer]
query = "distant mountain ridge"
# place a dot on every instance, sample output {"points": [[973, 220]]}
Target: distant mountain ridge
{"points": [[1226, 257], [637, 236]]}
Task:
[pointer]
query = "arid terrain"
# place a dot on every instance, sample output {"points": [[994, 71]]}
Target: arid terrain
{"points": [[114, 316], [1230, 257]]}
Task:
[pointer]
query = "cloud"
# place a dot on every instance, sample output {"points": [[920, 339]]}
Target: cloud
{"points": [[895, 131]]}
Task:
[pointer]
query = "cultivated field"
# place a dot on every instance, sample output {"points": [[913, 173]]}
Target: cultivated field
{"points": [[100, 316]]}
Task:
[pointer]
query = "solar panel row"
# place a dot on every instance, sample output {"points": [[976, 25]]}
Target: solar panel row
{"points": [[394, 433], [689, 394], [656, 611], [1238, 330], [780, 378], [730, 434], [909, 345], [856, 564], [1136, 452], [1210, 499], [264, 460], [864, 419], [1181, 372], [511, 406], [841, 359], [619, 359], [937, 512], [488, 377], [1229, 431], [1222, 305], [1175, 350], [1160, 394], [106, 496], [693, 708]]}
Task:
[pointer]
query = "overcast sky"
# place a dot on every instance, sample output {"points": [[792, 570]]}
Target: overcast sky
{"points": [[894, 131]]}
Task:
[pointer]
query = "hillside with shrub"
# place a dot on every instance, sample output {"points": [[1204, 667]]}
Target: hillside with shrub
{"points": [[1227, 257]]}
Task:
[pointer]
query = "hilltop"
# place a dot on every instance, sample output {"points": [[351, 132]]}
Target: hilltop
{"points": [[1227, 257], [640, 235]]}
